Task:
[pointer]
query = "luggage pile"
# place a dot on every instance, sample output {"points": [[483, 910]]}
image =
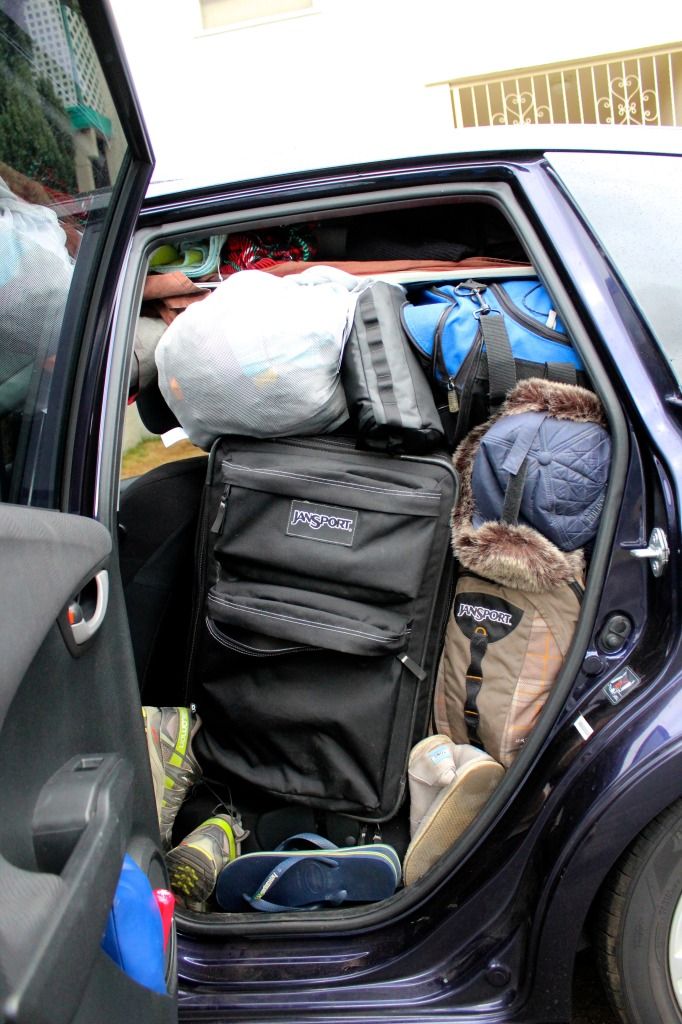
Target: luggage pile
{"points": [[532, 486], [373, 616]]}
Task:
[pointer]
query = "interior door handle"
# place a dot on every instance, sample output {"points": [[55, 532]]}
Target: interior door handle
{"points": [[83, 629]]}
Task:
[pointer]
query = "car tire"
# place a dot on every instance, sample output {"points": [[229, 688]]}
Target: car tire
{"points": [[639, 925]]}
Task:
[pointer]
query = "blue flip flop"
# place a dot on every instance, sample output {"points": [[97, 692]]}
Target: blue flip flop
{"points": [[307, 871]]}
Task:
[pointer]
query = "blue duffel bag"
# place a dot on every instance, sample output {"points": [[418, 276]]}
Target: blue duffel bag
{"points": [[477, 339]]}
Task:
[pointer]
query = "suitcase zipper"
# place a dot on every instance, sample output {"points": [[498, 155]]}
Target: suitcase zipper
{"points": [[322, 443], [253, 652], [416, 496], [434, 458], [222, 508], [199, 585], [368, 633]]}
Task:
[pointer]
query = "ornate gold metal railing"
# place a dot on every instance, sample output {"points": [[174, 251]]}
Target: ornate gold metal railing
{"points": [[636, 87]]}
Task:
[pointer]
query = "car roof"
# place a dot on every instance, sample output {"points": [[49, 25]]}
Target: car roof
{"points": [[498, 141]]}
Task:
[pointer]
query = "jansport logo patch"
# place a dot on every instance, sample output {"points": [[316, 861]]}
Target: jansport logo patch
{"points": [[477, 612], [316, 520], [327, 523], [480, 614]]}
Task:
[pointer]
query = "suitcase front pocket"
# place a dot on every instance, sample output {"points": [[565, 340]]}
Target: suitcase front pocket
{"points": [[342, 535], [316, 620]]}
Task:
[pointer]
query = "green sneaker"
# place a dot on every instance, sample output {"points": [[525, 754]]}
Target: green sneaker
{"points": [[194, 865], [175, 770]]}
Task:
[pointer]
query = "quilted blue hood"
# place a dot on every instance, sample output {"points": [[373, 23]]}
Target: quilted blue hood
{"points": [[551, 474]]}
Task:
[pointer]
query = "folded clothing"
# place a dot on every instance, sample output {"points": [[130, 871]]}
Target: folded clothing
{"points": [[195, 259], [263, 249]]}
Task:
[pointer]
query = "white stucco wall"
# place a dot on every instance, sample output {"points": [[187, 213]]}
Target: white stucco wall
{"points": [[323, 87]]}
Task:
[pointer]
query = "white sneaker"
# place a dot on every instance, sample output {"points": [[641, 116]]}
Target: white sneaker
{"points": [[431, 767], [456, 805]]}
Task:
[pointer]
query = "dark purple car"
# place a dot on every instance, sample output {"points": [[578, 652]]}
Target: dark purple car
{"points": [[580, 846]]}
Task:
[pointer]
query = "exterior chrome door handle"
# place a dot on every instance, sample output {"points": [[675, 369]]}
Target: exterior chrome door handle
{"points": [[83, 629], [658, 551]]}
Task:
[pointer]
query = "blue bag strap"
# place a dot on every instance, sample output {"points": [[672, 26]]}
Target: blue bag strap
{"points": [[501, 366], [501, 369], [499, 357], [562, 373]]}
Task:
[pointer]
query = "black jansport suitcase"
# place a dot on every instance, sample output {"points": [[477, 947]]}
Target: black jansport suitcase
{"points": [[322, 591]]}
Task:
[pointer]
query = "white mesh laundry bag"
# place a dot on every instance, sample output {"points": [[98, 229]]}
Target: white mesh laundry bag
{"points": [[260, 356], [35, 277]]}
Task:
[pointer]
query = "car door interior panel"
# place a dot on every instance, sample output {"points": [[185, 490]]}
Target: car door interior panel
{"points": [[51, 557], [76, 797]]}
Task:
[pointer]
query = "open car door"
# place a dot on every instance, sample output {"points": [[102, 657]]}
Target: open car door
{"points": [[75, 788]]}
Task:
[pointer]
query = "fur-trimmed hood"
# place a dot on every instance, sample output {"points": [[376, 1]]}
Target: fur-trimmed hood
{"points": [[520, 556]]}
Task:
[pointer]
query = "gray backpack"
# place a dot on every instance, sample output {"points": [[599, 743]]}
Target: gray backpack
{"points": [[388, 394]]}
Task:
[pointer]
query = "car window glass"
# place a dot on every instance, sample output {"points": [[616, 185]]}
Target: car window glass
{"points": [[61, 151], [632, 202]]}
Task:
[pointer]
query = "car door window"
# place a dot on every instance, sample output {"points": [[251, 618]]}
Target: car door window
{"points": [[62, 152], [632, 202]]}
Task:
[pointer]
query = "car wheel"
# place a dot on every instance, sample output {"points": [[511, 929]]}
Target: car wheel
{"points": [[640, 925]]}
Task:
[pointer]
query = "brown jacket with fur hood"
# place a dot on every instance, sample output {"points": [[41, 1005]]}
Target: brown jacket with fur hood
{"points": [[519, 556], [516, 603]]}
